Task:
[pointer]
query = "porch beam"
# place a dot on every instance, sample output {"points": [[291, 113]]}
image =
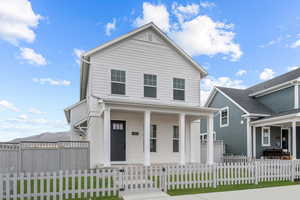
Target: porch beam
{"points": [[294, 148], [106, 137], [182, 137], [210, 140], [147, 126]]}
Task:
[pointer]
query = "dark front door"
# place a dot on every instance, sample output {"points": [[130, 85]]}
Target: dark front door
{"points": [[118, 140], [285, 139]]}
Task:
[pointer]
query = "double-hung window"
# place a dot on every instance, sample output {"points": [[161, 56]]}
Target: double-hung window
{"points": [[175, 139], [224, 117], [150, 85], [153, 138], [118, 79], [178, 89], [266, 137]]}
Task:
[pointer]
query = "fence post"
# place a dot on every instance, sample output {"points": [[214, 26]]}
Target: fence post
{"points": [[164, 179], [256, 172], [292, 170], [214, 170]]}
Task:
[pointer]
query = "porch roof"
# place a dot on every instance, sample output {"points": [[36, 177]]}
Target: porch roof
{"points": [[281, 117], [156, 106]]}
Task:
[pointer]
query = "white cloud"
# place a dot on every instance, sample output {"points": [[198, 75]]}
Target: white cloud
{"points": [[23, 126], [203, 36], [22, 117], [266, 74], [51, 81], [290, 68], [207, 4], [208, 84], [154, 13], [8, 105], [241, 72], [78, 53], [32, 57], [196, 34], [110, 27], [17, 20], [36, 111], [295, 44]]}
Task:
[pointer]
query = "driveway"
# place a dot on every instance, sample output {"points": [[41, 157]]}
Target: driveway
{"points": [[274, 193]]}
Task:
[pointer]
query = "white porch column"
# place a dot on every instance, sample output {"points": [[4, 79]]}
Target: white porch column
{"points": [[249, 142], [195, 149], [106, 137], [210, 139], [147, 126], [296, 95], [294, 150], [182, 138], [254, 142]]}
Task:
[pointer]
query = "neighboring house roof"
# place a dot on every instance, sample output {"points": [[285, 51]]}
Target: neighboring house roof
{"points": [[244, 98], [240, 97], [85, 56], [292, 75]]}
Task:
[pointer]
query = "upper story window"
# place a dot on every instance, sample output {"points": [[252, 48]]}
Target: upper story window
{"points": [[224, 117], [266, 137], [178, 89], [118, 79], [150, 85]]}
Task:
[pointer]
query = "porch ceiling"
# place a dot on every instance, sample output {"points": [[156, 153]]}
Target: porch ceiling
{"points": [[176, 108], [278, 120]]}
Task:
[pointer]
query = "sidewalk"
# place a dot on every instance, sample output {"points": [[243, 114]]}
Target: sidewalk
{"points": [[274, 193]]}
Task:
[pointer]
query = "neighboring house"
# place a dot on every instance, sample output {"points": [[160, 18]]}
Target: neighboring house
{"points": [[140, 101], [264, 116]]}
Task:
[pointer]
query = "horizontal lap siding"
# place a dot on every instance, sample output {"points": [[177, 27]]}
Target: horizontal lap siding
{"points": [[137, 57], [134, 143]]}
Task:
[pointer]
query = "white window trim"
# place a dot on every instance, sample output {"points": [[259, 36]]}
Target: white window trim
{"points": [[125, 83], [150, 85], [262, 137], [227, 124], [202, 136], [179, 89]]}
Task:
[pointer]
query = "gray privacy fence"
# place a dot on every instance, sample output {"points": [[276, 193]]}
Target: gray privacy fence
{"points": [[219, 150], [43, 156]]}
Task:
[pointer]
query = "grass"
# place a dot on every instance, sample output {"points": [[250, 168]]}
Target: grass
{"points": [[230, 188]]}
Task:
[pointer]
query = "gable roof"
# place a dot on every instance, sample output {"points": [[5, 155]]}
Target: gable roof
{"points": [[85, 57], [240, 97], [289, 76]]}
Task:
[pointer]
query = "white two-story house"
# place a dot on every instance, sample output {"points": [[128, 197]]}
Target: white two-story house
{"points": [[140, 102]]}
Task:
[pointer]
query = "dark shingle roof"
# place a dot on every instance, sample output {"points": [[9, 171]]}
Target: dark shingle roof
{"points": [[241, 97], [288, 112], [294, 74]]}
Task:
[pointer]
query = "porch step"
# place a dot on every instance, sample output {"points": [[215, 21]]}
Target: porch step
{"points": [[148, 195]]}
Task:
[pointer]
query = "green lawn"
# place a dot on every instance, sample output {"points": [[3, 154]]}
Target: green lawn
{"points": [[230, 188]]}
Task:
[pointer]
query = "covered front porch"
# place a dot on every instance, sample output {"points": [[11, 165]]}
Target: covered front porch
{"points": [[277, 133], [146, 134]]}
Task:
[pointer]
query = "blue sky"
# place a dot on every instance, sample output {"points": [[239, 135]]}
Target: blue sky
{"points": [[240, 44]]}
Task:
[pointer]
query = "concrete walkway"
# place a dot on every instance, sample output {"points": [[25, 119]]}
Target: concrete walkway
{"points": [[274, 193]]}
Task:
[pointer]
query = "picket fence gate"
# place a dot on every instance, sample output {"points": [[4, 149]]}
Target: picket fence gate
{"points": [[113, 181]]}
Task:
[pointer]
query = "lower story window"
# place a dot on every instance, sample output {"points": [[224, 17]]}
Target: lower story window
{"points": [[153, 138], [175, 139], [266, 137]]}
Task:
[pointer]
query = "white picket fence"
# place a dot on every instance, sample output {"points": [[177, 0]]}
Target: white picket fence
{"points": [[113, 181]]}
